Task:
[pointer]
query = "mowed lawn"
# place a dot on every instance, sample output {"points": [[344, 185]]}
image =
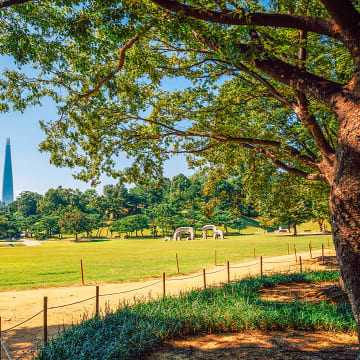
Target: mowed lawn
{"points": [[57, 263]]}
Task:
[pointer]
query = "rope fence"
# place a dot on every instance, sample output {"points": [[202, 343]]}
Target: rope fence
{"points": [[4, 347], [297, 262]]}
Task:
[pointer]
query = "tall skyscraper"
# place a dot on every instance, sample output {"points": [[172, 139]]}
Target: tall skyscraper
{"points": [[7, 190]]}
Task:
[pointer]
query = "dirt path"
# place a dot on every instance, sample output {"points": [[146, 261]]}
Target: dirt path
{"points": [[17, 306], [259, 345]]}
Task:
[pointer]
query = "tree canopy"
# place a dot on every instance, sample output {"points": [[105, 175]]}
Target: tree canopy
{"points": [[253, 94], [271, 83]]}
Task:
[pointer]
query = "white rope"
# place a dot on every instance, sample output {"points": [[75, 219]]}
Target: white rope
{"points": [[3, 345]]}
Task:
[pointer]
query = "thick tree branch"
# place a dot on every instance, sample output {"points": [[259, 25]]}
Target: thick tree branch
{"points": [[267, 84], [285, 167], [313, 127], [316, 25], [293, 152], [6, 4], [245, 69], [302, 111], [320, 89], [348, 20], [316, 87], [344, 13], [198, 151]]}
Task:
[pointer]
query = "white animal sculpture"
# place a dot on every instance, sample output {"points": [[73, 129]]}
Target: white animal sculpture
{"points": [[178, 231], [206, 228], [218, 233]]}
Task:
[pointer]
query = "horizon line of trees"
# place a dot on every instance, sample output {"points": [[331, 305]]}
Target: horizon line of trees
{"points": [[182, 201]]}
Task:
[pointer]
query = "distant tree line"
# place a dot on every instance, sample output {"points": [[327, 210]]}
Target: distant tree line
{"points": [[182, 201]]}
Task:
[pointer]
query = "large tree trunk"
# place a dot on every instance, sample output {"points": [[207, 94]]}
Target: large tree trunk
{"points": [[345, 203]]}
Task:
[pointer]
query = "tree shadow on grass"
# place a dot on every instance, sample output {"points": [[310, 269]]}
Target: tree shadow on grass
{"points": [[91, 241], [259, 345], [26, 340]]}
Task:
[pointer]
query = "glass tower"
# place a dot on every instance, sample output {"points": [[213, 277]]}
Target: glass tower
{"points": [[7, 190]]}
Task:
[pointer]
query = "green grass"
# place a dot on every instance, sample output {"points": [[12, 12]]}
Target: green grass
{"points": [[58, 262], [133, 331]]}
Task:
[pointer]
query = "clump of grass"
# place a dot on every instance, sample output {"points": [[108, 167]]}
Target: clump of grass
{"points": [[135, 330]]}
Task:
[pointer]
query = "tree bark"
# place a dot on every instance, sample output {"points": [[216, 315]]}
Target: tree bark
{"points": [[345, 202], [295, 230], [321, 224]]}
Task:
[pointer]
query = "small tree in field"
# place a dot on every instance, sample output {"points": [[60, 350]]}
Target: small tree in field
{"points": [[50, 224], [74, 222]]}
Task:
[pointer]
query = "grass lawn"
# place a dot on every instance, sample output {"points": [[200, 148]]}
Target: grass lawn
{"points": [[58, 262]]}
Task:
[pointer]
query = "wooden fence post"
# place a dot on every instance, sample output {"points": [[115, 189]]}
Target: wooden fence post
{"points": [[300, 264], [322, 253], [254, 253], [328, 244], [164, 289], [228, 272], [97, 302], [288, 249], [261, 266], [45, 320], [215, 257], [310, 250], [204, 275], [295, 253], [177, 264], [82, 272]]}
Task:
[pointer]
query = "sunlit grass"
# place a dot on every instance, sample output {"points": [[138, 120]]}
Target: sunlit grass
{"points": [[58, 262]]}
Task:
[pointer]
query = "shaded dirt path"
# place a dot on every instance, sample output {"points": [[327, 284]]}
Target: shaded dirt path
{"points": [[258, 345], [17, 306]]}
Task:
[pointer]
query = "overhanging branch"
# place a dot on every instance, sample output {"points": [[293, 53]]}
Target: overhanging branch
{"points": [[240, 17], [9, 3]]}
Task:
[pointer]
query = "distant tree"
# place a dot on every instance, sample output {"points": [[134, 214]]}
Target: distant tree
{"points": [[49, 224], [194, 197], [293, 212], [223, 218], [145, 196], [164, 217], [284, 197], [24, 223], [25, 204], [94, 222], [141, 223], [37, 232], [4, 225], [152, 216], [124, 225], [114, 202], [60, 200], [90, 200], [178, 191], [226, 195], [74, 222], [319, 196]]}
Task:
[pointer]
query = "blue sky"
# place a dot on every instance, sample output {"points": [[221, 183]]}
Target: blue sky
{"points": [[31, 169]]}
